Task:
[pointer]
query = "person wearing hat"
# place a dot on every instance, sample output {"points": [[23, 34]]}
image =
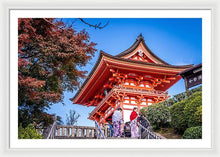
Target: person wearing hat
{"points": [[117, 122], [134, 125]]}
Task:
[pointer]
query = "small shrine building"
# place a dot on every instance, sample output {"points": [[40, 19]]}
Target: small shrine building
{"points": [[134, 78]]}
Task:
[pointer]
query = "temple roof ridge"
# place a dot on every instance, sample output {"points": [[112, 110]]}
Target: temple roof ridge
{"points": [[140, 39]]}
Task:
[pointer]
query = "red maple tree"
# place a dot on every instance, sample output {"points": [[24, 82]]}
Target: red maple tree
{"points": [[49, 56]]}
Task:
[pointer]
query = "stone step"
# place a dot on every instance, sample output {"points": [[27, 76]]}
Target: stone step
{"points": [[121, 138], [69, 137]]}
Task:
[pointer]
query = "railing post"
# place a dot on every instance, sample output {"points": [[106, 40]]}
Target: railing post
{"points": [[83, 132], [63, 131], [77, 132], [58, 131], [73, 131], [140, 132], [87, 132], [92, 133], [106, 130], [67, 131]]}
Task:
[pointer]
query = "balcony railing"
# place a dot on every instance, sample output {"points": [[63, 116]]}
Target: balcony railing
{"points": [[130, 90], [140, 91]]}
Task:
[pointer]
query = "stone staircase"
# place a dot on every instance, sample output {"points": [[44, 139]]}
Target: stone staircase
{"points": [[97, 132]]}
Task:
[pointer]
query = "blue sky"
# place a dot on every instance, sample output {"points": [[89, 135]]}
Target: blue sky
{"points": [[178, 41]]}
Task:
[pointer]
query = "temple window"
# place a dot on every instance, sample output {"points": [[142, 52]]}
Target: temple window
{"points": [[147, 86], [133, 102], [141, 85], [126, 101], [126, 83], [132, 84], [143, 103]]}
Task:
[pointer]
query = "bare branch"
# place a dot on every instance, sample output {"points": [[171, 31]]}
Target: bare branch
{"points": [[96, 25]]}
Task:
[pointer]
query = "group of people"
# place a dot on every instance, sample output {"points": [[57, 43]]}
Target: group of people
{"points": [[117, 123]]}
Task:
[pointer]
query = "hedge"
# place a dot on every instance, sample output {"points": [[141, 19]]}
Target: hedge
{"points": [[193, 133], [28, 133], [178, 120], [158, 115], [193, 110]]}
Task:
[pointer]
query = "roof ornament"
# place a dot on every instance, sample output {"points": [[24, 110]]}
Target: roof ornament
{"points": [[141, 53], [140, 37]]}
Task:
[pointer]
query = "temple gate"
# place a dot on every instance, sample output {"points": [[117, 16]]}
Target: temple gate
{"points": [[133, 78]]}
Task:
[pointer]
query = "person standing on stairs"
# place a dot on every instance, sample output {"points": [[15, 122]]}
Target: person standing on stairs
{"points": [[110, 128], [117, 122], [134, 125]]}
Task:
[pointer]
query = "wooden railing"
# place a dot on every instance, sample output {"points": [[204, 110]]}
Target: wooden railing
{"points": [[129, 90], [141, 91]]}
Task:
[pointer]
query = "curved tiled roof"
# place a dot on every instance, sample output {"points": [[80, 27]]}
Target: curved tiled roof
{"points": [[102, 53], [145, 63], [140, 39], [120, 57]]}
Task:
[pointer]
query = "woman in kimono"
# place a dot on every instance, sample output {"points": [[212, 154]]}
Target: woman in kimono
{"points": [[117, 122], [134, 125]]}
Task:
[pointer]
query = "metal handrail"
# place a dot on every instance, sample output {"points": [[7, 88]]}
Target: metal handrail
{"points": [[147, 121], [149, 132], [52, 131], [99, 131]]}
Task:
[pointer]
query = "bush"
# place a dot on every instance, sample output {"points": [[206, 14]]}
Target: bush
{"points": [[178, 121], [28, 133], [193, 110], [193, 96], [181, 96], [158, 115], [193, 133], [198, 115]]}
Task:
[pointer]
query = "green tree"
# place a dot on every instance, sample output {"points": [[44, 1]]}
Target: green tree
{"points": [[158, 115], [198, 115], [192, 110], [182, 96], [178, 120]]}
